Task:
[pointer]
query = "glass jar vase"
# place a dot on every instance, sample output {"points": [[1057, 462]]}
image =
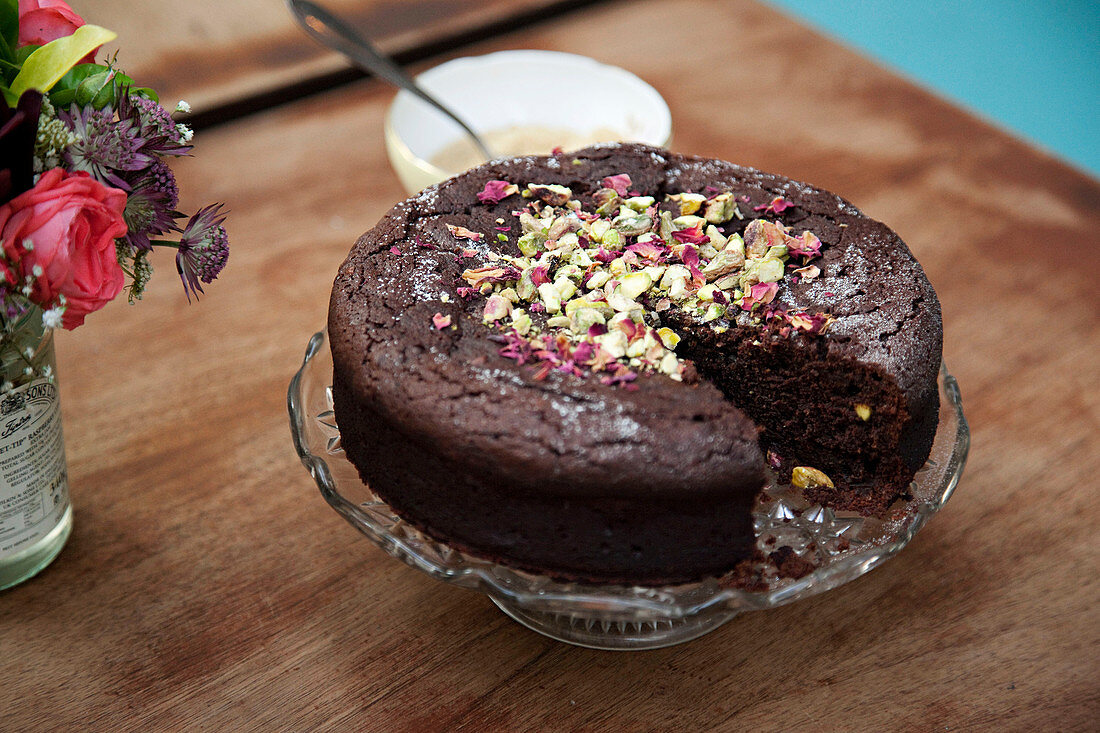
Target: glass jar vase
{"points": [[35, 514]]}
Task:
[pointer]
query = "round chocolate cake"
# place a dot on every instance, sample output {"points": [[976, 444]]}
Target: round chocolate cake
{"points": [[586, 364]]}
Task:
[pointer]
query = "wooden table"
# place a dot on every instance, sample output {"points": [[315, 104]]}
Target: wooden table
{"points": [[207, 585]]}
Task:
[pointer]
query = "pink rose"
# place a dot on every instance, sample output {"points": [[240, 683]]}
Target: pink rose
{"points": [[71, 221], [42, 21]]}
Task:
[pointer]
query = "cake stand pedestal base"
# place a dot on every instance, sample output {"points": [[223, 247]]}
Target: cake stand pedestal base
{"points": [[596, 633]]}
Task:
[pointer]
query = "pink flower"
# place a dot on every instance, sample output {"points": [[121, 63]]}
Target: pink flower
{"points": [[70, 222], [42, 21]]}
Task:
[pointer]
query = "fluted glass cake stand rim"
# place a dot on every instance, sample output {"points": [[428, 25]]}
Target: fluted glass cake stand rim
{"points": [[629, 617]]}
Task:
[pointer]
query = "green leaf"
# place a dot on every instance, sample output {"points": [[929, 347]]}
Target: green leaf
{"points": [[145, 92], [97, 90], [9, 25], [48, 64]]}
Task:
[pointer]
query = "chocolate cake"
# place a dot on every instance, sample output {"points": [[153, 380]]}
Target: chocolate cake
{"points": [[586, 364]]}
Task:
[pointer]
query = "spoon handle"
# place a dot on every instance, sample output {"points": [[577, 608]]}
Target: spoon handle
{"points": [[333, 32]]}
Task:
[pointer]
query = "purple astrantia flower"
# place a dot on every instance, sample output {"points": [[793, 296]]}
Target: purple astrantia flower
{"points": [[104, 147], [160, 132], [151, 205], [203, 249]]}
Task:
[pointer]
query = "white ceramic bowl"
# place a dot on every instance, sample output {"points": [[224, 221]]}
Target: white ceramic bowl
{"points": [[524, 89]]}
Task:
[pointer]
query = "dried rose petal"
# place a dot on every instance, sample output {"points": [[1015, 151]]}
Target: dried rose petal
{"points": [[394, 250], [496, 191], [463, 233], [619, 182], [693, 235], [808, 245], [440, 321], [777, 206], [759, 294]]}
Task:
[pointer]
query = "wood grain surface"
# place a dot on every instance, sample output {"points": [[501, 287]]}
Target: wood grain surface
{"points": [[215, 52], [207, 586]]}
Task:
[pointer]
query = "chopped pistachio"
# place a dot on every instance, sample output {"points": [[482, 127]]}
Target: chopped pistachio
{"points": [[636, 348], [496, 308], [584, 318], [525, 288], [632, 224], [805, 477], [620, 302], [721, 208], [607, 201], [769, 270], [717, 239], [669, 338], [550, 193], [761, 234], [618, 267], [510, 294], [713, 312], [778, 251], [674, 273], [580, 258], [568, 242], [727, 282], [528, 223], [639, 203], [679, 290], [688, 222], [664, 226], [706, 251], [634, 284], [612, 239], [565, 287], [689, 202], [725, 262], [670, 365], [558, 322], [598, 229], [550, 298], [563, 225], [614, 343], [532, 243], [598, 279], [864, 411], [521, 321], [706, 293]]}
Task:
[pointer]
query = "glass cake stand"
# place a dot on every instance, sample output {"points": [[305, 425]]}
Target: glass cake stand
{"points": [[841, 545]]}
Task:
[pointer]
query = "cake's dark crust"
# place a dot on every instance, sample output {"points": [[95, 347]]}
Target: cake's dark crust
{"points": [[577, 479]]}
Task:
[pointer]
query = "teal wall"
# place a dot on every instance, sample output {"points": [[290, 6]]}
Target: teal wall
{"points": [[1030, 66]]}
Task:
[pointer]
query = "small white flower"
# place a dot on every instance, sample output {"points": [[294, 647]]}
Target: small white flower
{"points": [[27, 290], [7, 386], [182, 106], [52, 317], [28, 245], [28, 371], [37, 270], [47, 371], [185, 133], [29, 353]]}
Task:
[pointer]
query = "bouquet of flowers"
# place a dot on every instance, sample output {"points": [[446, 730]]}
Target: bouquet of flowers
{"points": [[86, 192]]}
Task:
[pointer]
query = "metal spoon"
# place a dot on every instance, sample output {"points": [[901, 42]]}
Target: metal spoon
{"points": [[338, 35]]}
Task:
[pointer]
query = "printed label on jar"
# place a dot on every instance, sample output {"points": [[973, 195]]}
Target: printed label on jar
{"points": [[34, 482]]}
